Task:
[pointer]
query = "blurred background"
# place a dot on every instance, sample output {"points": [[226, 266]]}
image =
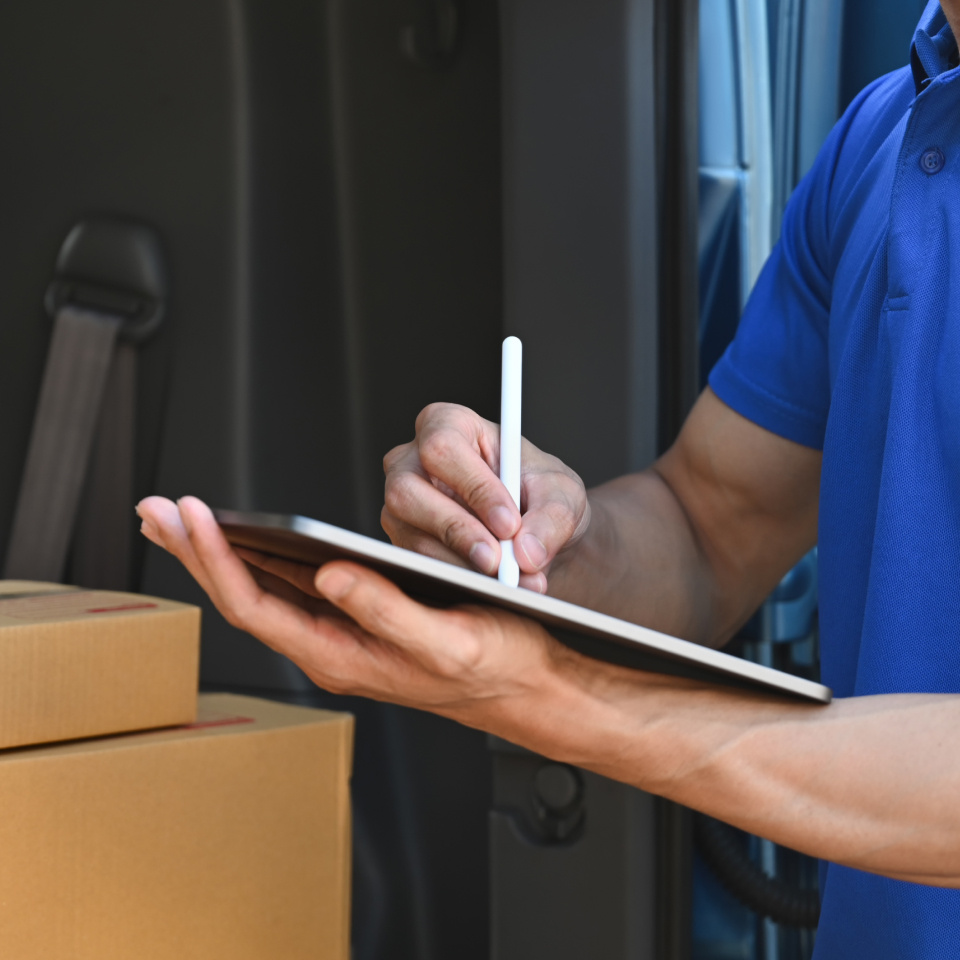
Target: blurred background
{"points": [[333, 211]]}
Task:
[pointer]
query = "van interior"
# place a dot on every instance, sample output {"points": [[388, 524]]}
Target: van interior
{"points": [[314, 217]]}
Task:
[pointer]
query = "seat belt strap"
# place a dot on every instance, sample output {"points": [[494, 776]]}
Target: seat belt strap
{"points": [[71, 395], [101, 553], [108, 295]]}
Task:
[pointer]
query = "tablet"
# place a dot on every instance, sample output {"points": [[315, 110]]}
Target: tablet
{"points": [[443, 584]]}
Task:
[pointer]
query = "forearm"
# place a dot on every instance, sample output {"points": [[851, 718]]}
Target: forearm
{"points": [[693, 545], [867, 782]]}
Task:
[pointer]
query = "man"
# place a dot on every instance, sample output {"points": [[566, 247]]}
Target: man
{"points": [[838, 398]]}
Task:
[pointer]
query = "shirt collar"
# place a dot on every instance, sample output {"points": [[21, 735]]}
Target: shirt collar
{"points": [[934, 47]]}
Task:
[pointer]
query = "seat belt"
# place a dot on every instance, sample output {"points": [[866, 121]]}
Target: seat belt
{"points": [[107, 296], [81, 351], [102, 540]]}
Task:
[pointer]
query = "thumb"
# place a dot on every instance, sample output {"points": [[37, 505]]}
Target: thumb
{"points": [[377, 605], [557, 515]]}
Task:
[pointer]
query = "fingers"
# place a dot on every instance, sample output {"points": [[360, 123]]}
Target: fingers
{"points": [[280, 587], [537, 582], [444, 645], [241, 600], [162, 525], [299, 575], [461, 450], [308, 629], [189, 531], [411, 538], [376, 604], [356, 632], [557, 514], [444, 498], [468, 653], [418, 516]]}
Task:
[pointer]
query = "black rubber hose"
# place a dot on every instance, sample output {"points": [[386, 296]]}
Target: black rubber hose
{"points": [[723, 851]]}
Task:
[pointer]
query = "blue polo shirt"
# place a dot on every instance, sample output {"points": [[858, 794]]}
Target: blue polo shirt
{"points": [[851, 344]]}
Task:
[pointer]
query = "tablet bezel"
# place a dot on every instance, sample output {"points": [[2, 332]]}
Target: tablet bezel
{"points": [[433, 581]]}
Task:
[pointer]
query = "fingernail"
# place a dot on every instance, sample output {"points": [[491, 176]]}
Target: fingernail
{"points": [[184, 518], [149, 529], [502, 522], [535, 551], [483, 557], [334, 584]]}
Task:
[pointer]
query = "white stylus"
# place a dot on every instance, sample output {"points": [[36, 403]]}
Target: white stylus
{"points": [[510, 380]]}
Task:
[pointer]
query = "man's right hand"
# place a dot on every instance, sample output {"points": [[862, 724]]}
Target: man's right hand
{"points": [[690, 546], [444, 497]]}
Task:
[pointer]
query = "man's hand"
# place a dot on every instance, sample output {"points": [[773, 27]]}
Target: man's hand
{"points": [[869, 782], [690, 546], [353, 632], [444, 497]]}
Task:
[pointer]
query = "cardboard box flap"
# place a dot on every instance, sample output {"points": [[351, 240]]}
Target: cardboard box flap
{"points": [[53, 606], [218, 715], [30, 588]]}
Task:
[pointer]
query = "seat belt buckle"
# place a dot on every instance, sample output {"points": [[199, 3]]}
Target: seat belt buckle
{"points": [[113, 267]]}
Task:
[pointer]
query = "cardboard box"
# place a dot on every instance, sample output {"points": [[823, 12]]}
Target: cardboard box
{"points": [[13, 588], [80, 663], [225, 840]]}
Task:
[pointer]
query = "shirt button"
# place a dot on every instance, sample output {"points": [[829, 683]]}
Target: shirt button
{"points": [[932, 161]]}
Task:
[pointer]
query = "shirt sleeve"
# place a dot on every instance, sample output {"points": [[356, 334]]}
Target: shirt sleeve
{"points": [[776, 371]]}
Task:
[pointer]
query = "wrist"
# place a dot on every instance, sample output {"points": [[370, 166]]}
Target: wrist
{"points": [[569, 710], [576, 573], [622, 723]]}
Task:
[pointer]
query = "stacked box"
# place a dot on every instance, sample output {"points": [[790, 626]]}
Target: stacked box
{"points": [[225, 834], [228, 838], [84, 663]]}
